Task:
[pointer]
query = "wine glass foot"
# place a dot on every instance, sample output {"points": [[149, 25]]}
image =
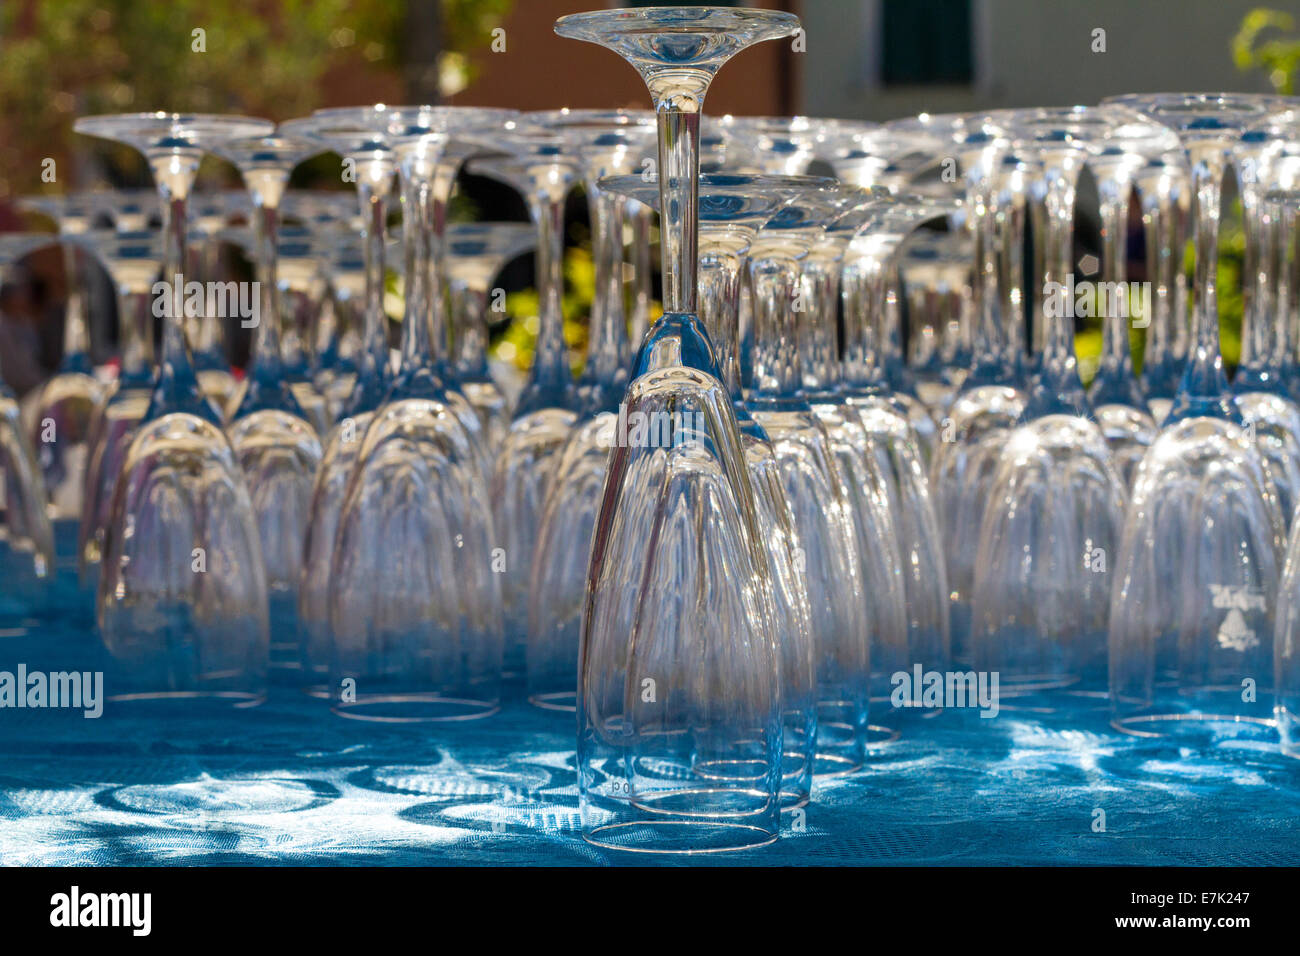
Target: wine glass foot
{"points": [[563, 700], [679, 837], [400, 708], [1204, 727], [194, 705]]}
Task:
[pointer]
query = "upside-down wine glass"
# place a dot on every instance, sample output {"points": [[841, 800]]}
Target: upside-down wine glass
{"points": [[132, 261], [1193, 604], [1264, 394], [274, 442], [679, 686], [1125, 144], [182, 602], [542, 168], [610, 143], [989, 403], [27, 556], [414, 598], [847, 539], [1041, 594], [891, 455], [732, 207], [65, 411], [1282, 205], [360, 136]]}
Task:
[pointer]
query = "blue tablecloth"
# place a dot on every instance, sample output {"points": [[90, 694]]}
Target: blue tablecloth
{"points": [[290, 783]]}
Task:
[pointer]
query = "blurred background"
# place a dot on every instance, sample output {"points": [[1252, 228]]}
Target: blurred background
{"points": [[869, 59]]}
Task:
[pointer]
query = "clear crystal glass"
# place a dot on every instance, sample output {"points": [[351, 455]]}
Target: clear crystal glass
{"points": [[1282, 224], [1051, 525], [609, 143], [991, 398], [667, 760], [27, 555], [132, 261], [1191, 640], [66, 408], [732, 208], [182, 602], [274, 442], [542, 168]]}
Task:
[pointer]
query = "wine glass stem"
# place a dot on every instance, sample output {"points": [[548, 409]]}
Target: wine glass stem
{"points": [[1254, 272], [679, 179], [266, 344], [551, 366], [1285, 255], [1114, 192], [776, 353], [642, 222], [1164, 245], [817, 336], [373, 193], [1207, 182], [76, 332], [719, 290], [861, 286], [136, 323], [174, 176], [607, 349], [469, 304], [1058, 333], [979, 221], [891, 320], [1009, 255]]}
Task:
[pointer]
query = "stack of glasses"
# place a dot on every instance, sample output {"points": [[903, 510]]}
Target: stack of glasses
{"points": [[854, 445]]}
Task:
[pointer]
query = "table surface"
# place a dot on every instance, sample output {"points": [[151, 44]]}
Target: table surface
{"points": [[290, 783]]}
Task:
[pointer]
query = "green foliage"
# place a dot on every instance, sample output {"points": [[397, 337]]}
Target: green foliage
{"points": [[67, 58], [520, 338], [1232, 250], [1268, 40]]}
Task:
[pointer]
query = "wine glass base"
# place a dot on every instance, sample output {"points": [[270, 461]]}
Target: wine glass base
{"points": [[189, 704], [563, 700], [679, 836], [835, 765], [1206, 727], [792, 800], [879, 735], [415, 708]]}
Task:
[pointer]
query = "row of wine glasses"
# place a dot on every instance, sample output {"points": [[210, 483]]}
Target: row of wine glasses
{"points": [[856, 444]]}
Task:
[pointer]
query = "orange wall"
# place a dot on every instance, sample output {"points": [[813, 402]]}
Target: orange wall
{"points": [[540, 70]]}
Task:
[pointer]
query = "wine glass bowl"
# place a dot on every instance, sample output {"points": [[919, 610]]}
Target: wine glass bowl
{"points": [[182, 602], [1181, 654]]}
